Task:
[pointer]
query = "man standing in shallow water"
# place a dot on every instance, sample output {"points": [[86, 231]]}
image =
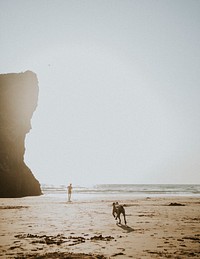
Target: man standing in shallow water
{"points": [[69, 189]]}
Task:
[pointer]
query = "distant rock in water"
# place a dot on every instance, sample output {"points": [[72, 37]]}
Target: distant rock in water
{"points": [[18, 101]]}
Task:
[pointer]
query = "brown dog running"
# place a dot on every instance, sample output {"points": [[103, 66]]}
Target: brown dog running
{"points": [[117, 210]]}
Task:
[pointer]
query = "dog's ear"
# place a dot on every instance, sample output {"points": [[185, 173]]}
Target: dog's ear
{"points": [[113, 203]]}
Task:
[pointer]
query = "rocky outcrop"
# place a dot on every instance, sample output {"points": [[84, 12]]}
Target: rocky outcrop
{"points": [[18, 101]]}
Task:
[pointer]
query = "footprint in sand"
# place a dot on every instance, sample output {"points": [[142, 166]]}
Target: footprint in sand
{"points": [[117, 254]]}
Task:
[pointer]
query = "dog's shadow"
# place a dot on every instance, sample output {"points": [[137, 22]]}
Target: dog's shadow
{"points": [[125, 227]]}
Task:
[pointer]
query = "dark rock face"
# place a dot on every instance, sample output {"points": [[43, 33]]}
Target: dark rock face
{"points": [[18, 101]]}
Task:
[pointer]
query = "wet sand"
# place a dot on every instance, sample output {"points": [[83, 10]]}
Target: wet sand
{"points": [[47, 227]]}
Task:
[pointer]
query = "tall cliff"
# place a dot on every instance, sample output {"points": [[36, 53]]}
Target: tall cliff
{"points": [[18, 101]]}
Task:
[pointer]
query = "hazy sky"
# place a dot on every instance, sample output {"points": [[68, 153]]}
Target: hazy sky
{"points": [[119, 81]]}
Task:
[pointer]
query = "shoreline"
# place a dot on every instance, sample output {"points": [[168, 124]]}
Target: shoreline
{"points": [[35, 226]]}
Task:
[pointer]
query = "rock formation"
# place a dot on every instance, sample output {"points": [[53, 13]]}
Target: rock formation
{"points": [[18, 101]]}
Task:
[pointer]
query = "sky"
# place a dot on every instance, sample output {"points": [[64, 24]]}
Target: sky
{"points": [[119, 88]]}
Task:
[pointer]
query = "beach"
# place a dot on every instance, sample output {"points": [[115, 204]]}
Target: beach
{"points": [[50, 227]]}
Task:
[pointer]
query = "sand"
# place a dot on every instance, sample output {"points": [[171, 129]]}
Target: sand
{"points": [[49, 227]]}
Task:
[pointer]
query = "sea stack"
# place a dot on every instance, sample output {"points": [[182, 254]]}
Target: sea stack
{"points": [[18, 101]]}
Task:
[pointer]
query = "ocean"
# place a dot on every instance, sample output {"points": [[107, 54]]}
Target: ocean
{"points": [[123, 190]]}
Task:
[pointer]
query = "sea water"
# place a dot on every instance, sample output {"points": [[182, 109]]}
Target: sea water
{"points": [[123, 190]]}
